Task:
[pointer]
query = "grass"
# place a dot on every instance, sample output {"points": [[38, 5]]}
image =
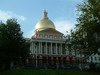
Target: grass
{"points": [[46, 72]]}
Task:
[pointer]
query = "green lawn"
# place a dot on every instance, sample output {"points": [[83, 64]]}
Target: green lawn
{"points": [[46, 72]]}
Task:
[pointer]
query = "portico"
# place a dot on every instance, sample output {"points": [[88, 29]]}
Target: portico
{"points": [[49, 48]]}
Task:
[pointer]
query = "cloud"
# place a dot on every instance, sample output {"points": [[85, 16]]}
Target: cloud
{"points": [[64, 26], [21, 18], [4, 15]]}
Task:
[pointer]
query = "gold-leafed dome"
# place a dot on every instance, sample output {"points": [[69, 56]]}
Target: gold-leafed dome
{"points": [[45, 22]]}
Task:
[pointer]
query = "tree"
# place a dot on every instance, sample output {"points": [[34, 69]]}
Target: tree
{"points": [[12, 44], [88, 25]]}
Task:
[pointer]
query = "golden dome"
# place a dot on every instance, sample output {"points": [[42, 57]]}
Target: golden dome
{"points": [[45, 22]]}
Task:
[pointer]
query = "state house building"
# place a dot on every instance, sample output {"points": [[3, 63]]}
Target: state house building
{"points": [[48, 45]]}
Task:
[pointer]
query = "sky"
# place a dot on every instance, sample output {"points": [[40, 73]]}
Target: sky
{"points": [[28, 12]]}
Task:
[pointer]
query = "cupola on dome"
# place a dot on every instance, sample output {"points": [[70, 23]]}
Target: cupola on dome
{"points": [[45, 22]]}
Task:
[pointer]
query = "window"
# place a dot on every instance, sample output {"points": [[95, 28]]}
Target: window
{"points": [[60, 37], [55, 37], [45, 36]]}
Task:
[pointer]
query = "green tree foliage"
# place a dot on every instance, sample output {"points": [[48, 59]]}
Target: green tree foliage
{"points": [[12, 44], [89, 17], [88, 26]]}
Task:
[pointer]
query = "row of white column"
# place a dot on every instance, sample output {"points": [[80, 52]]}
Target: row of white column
{"points": [[46, 48]]}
